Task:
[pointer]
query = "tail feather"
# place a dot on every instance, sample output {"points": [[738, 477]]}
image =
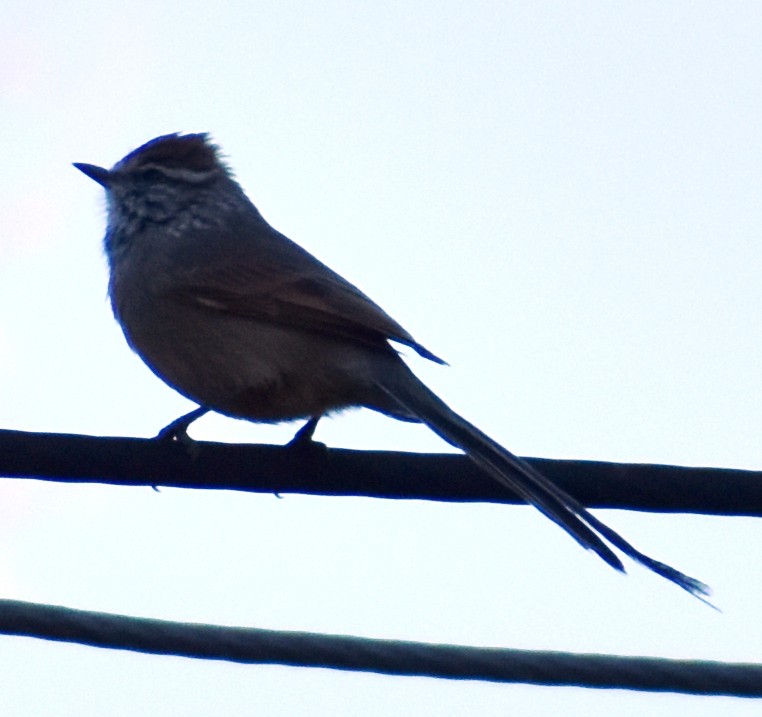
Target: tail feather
{"points": [[525, 481]]}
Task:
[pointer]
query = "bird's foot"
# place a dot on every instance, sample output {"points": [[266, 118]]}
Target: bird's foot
{"points": [[303, 437], [177, 431]]}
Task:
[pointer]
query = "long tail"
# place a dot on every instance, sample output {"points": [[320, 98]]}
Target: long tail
{"points": [[525, 481]]}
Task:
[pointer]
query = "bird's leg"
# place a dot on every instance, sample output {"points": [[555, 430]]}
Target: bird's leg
{"points": [[304, 435], [178, 429]]}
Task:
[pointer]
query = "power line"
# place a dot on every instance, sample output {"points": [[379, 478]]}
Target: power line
{"points": [[389, 657], [317, 470]]}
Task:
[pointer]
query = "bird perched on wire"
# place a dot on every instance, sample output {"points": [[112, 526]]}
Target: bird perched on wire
{"points": [[240, 319]]}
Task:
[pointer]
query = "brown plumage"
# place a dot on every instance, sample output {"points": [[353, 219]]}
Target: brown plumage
{"points": [[239, 318]]}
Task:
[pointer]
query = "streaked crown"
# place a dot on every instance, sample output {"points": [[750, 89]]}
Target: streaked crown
{"points": [[189, 158]]}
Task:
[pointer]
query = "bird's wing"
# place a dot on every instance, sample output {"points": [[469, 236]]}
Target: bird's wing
{"points": [[275, 280]]}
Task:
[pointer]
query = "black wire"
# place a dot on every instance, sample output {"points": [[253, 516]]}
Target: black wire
{"points": [[256, 646], [313, 469]]}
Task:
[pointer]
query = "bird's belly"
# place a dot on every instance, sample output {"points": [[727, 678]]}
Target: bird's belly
{"points": [[247, 368]]}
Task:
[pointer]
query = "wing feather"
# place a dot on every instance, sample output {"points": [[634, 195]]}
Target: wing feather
{"points": [[278, 281]]}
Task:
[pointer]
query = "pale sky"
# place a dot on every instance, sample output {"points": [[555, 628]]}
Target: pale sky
{"points": [[559, 198]]}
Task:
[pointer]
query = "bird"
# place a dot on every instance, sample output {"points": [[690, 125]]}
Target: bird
{"points": [[245, 322]]}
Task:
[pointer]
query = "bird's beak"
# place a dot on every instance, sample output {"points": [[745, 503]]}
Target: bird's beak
{"points": [[98, 174]]}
